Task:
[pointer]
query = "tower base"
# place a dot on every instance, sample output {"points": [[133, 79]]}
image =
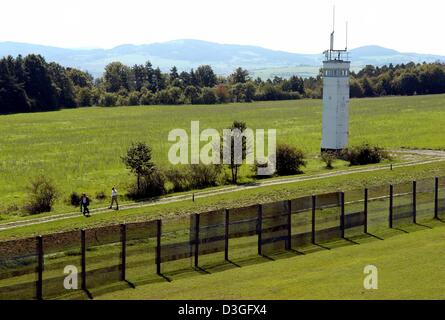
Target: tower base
{"points": [[335, 151]]}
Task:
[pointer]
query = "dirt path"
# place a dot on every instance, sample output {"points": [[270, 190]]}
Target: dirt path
{"points": [[417, 157]]}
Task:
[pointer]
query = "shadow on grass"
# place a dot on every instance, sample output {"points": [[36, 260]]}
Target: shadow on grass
{"points": [[213, 266]]}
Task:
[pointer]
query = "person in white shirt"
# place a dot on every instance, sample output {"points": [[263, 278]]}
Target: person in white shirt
{"points": [[114, 198]]}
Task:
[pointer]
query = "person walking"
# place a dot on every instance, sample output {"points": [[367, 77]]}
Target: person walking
{"points": [[84, 204], [114, 198]]}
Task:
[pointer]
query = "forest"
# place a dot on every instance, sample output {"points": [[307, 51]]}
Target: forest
{"points": [[31, 84]]}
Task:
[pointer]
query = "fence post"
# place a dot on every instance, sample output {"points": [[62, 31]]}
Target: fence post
{"points": [[83, 259], [289, 225], [391, 199], [342, 214], [365, 211], [436, 198], [123, 251], [196, 240], [226, 235], [414, 202], [39, 284], [260, 228], [313, 218], [158, 246]]}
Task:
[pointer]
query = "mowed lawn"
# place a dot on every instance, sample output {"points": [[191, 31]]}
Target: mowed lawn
{"points": [[81, 148], [410, 266]]}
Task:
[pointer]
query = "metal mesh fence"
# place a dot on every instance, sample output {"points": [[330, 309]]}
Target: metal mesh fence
{"points": [[138, 252], [275, 223], [355, 218], [243, 232], [301, 209], [62, 268], [441, 198], [403, 204], [425, 199], [212, 237], [103, 256], [177, 244], [327, 217], [140, 249], [18, 267], [378, 207]]}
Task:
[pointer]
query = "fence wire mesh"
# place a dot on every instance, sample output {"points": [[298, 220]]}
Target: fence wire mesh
{"points": [[243, 232], [131, 252], [275, 224], [18, 267], [103, 256], [301, 209], [327, 217], [141, 243], [62, 258]]}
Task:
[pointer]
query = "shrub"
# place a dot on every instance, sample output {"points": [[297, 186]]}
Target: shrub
{"points": [[151, 185], [74, 199], [203, 176], [108, 99], [328, 158], [364, 154], [133, 98], [42, 195], [180, 179], [147, 97], [207, 96], [289, 160]]}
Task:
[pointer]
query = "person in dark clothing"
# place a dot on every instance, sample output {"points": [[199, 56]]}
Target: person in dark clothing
{"points": [[84, 204]]}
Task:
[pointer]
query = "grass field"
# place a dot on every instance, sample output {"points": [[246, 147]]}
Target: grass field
{"points": [[326, 274], [80, 149]]}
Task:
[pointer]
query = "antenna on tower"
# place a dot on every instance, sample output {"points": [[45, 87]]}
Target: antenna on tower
{"points": [[346, 48], [333, 29]]}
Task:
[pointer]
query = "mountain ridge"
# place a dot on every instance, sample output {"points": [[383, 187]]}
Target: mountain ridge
{"points": [[224, 58]]}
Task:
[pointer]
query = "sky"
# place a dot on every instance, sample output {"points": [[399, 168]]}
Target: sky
{"points": [[300, 26]]}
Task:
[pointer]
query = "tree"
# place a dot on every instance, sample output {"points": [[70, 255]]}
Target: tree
{"points": [[207, 96], [192, 94], [205, 77], [116, 77], [80, 78], [39, 86], [240, 75], [138, 161], [65, 88], [238, 128]]}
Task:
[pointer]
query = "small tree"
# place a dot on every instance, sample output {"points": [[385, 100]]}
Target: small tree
{"points": [[289, 160], [238, 129], [42, 195], [138, 161], [328, 158]]}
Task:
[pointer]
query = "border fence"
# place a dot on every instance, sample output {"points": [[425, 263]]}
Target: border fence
{"points": [[54, 265]]}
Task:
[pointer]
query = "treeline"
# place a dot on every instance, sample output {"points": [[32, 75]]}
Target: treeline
{"points": [[29, 84], [402, 79]]}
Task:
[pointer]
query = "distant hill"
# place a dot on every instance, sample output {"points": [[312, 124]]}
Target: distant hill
{"points": [[186, 54]]}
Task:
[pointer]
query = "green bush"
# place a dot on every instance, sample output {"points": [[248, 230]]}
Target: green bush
{"points": [[42, 195], [151, 185], [108, 99], [364, 154], [74, 199], [179, 178], [328, 158], [289, 160], [202, 176]]}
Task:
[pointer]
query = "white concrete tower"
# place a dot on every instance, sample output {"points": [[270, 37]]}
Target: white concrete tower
{"points": [[335, 99]]}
